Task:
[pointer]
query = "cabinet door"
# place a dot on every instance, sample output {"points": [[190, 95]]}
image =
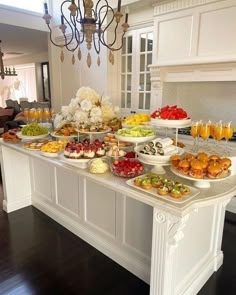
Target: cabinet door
{"points": [[135, 75]]}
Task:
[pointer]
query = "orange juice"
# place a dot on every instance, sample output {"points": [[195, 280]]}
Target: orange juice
{"points": [[194, 130], [31, 114], [40, 114], [228, 131], [219, 132], [205, 131], [212, 130], [46, 114]]}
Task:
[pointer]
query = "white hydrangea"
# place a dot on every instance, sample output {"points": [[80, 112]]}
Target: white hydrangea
{"points": [[65, 111], [86, 105], [96, 112], [81, 117], [87, 93]]}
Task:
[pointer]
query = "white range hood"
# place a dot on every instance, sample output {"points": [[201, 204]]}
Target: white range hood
{"points": [[195, 73]]}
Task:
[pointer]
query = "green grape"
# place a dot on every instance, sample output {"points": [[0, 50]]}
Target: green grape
{"points": [[34, 129]]}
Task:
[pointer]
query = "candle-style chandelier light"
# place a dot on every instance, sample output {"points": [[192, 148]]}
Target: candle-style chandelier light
{"points": [[8, 71], [87, 23]]}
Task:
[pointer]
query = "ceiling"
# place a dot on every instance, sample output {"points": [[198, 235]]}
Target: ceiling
{"points": [[18, 41]]}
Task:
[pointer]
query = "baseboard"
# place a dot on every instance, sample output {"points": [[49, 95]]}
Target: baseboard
{"points": [[13, 206], [114, 252], [231, 207], [203, 275]]}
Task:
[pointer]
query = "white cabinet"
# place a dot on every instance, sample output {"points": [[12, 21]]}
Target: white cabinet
{"points": [[194, 31]]}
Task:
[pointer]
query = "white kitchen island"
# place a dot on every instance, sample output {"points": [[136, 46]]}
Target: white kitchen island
{"points": [[174, 247]]}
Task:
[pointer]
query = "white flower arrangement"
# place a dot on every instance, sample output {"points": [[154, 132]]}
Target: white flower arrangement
{"points": [[87, 107]]}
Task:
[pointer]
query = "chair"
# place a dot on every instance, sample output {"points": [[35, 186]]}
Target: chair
{"points": [[23, 99], [25, 104]]}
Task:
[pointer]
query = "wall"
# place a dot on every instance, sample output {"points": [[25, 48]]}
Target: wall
{"points": [[203, 100], [22, 18]]}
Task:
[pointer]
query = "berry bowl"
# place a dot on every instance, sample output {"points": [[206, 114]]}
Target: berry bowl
{"points": [[127, 167]]}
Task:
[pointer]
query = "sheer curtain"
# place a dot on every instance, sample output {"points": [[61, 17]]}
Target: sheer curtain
{"points": [[24, 85]]}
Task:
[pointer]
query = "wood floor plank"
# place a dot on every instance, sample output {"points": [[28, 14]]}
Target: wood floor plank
{"points": [[40, 257]]}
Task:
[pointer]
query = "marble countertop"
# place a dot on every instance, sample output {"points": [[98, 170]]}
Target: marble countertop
{"points": [[218, 190]]}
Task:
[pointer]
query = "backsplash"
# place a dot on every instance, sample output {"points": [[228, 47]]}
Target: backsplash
{"points": [[203, 100]]}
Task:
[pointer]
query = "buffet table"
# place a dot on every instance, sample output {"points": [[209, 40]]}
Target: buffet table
{"points": [[175, 247]]}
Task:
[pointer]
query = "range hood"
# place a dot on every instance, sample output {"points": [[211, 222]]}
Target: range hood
{"points": [[195, 72]]}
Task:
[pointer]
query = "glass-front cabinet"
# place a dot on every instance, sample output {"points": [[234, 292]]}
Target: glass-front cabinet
{"points": [[136, 56]]}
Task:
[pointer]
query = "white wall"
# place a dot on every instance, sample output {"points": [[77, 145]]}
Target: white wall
{"points": [[24, 19], [203, 100]]}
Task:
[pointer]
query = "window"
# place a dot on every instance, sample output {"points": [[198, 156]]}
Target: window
{"points": [[31, 5], [136, 56]]}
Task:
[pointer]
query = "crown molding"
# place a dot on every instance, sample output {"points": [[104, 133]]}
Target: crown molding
{"points": [[176, 5]]}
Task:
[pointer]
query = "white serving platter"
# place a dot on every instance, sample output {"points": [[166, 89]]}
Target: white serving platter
{"points": [[156, 159], [50, 155], [20, 135], [134, 139], [153, 192], [171, 123], [199, 182]]}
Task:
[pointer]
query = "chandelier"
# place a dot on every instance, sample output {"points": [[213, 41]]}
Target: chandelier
{"points": [[85, 22], [7, 71]]}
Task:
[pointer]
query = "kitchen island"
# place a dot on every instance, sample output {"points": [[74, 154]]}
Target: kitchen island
{"points": [[173, 246]]}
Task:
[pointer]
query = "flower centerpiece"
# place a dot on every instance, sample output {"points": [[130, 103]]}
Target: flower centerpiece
{"points": [[87, 108]]}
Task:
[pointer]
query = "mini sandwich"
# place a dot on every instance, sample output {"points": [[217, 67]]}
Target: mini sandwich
{"points": [[202, 157], [188, 156], [225, 163], [214, 158], [175, 159], [184, 166], [215, 171], [196, 169]]}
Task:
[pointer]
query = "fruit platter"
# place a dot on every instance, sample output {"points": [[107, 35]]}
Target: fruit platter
{"points": [[65, 131], [163, 187], [201, 168], [136, 120], [170, 116], [33, 131], [135, 134], [127, 167], [52, 148]]}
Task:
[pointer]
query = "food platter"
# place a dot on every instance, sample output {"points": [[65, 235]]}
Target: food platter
{"points": [[171, 123], [194, 192], [199, 182], [95, 132], [145, 124], [69, 137], [25, 137], [81, 163], [50, 155], [156, 159], [134, 139]]}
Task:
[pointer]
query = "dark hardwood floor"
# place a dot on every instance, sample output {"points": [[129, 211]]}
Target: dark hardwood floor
{"points": [[38, 256]]}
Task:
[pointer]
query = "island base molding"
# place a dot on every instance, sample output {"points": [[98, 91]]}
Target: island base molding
{"points": [[175, 248], [115, 253]]}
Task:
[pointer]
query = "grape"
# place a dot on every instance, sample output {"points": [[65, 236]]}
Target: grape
{"points": [[34, 129]]}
